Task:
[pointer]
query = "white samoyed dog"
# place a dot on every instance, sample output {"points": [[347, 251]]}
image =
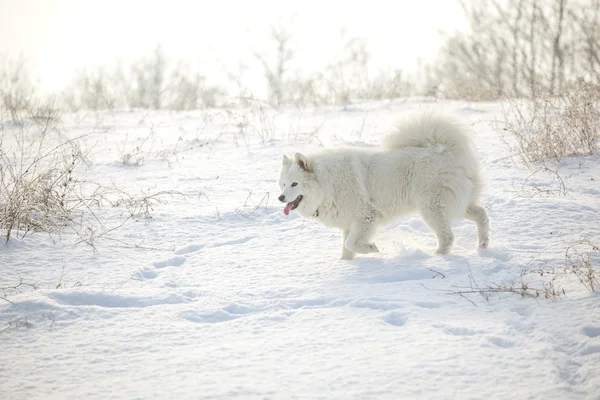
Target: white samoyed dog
{"points": [[426, 164]]}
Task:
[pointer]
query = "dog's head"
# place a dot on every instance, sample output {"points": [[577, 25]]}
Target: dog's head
{"points": [[299, 188]]}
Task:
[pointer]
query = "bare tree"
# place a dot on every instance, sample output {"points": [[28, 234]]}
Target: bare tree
{"points": [[520, 47], [276, 71], [149, 78], [17, 93]]}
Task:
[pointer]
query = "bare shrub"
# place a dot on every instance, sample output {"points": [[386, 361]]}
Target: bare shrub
{"points": [[389, 85], [277, 70], [519, 48], [19, 97], [188, 90], [92, 228], [159, 82], [135, 151], [344, 78], [350, 76], [93, 90], [347, 76], [300, 133], [554, 127], [42, 190], [148, 81], [557, 188], [17, 93], [37, 180], [16, 288], [143, 204], [307, 91], [263, 121], [544, 288], [582, 259], [151, 82], [251, 206]]}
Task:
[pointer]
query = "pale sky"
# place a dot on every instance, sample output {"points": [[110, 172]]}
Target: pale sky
{"points": [[61, 36]]}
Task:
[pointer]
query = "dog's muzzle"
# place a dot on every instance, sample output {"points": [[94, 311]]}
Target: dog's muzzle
{"points": [[281, 198]]}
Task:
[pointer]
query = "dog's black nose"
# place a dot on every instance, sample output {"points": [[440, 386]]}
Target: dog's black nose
{"points": [[281, 198]]}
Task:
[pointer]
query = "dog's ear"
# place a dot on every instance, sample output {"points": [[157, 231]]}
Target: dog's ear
{"points": [[302, 161], [286, 160]]}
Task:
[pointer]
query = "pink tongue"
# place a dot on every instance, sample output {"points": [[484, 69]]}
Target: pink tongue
{"points": [[288, 208]]}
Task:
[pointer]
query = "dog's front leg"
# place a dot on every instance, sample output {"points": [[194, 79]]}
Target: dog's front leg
{"points": [[346, 254], [361, 232]]}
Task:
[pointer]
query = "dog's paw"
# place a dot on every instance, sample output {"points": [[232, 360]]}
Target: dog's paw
{"points": [[362, 248], [347, 254]]}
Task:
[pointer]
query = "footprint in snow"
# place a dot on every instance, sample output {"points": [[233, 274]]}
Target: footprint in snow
{"points": [[210, 317], [591, 331], [395, 318], [239, 309], [524, 311], [375, 305], [146, 273], [190, 248], [234, 241], [228, 313], [501, 342], [113, 300], [461, 331], [592, 349], [427, 304], [170, 262], [499, 254]]}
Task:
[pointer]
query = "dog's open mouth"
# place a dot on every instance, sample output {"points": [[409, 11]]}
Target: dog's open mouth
{"points": [[292, 205]]}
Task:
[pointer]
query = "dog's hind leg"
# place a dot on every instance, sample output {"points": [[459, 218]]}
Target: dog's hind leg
{"points": [[439, 223], [346, 254], [360, 234], [478, 215]]}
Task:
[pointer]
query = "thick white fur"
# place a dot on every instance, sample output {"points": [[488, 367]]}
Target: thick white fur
{"points": [[426, 164]]}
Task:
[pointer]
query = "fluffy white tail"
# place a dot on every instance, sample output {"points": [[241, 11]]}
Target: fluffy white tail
{"points": [[442, 133], [445, 135]]}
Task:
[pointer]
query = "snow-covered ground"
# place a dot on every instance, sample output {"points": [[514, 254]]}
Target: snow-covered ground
{"points": [[220, 295]]}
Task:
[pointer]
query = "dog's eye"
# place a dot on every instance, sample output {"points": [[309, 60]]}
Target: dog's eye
{"points": [[294, 184]]}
